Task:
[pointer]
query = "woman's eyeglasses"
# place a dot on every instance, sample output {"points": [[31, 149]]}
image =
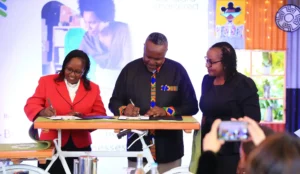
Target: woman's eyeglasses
{"points": [[76, 72], [209, 62]]}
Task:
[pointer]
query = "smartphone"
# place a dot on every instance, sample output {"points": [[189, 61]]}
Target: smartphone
{"points": [[233, 131]]}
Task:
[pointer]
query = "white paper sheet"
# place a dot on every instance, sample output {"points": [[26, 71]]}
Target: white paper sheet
{"points": [[64, 117], [297, 132], [133, 118]]}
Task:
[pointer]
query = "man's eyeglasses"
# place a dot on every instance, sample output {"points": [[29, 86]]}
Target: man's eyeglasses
{"points": [[76, 72], [209, 62]]}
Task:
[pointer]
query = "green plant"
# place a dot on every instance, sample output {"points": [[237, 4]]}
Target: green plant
{"points": [[266, 82], [258, 82], [276, 83], [277, 86], [278, 62], [278, 112], [246, 72], [277, 108], [266, 59], [264, 104]]}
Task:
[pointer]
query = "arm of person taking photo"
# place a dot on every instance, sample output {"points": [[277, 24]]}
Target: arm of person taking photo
{"points": [[211, 145]]}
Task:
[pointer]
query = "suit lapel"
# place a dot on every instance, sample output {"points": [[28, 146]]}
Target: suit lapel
{"points": [[63, 91], [80, 94]]}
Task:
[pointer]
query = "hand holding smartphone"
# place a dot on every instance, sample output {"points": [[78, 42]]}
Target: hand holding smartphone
{"points": [[233, 131]]}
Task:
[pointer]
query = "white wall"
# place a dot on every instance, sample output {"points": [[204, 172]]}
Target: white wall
{"points": [[184, 22]]}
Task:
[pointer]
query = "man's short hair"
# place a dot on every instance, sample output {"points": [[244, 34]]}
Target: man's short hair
{"points": [[248, 146], [157, 38]]}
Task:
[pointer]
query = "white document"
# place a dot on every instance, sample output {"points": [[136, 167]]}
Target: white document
{"points": [[133, 118], [297, 132], [144, 117], [64, 117]]}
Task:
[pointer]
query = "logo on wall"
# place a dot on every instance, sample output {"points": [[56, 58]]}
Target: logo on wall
{"points": [[288, 18], [230, 21], [3, 8], [230, 12]]}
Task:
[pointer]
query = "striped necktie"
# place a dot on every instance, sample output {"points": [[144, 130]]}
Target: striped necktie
{"points": [[152, 104]]}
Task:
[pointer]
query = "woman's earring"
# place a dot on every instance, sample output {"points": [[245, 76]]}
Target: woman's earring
{"points": [[224, 67]]}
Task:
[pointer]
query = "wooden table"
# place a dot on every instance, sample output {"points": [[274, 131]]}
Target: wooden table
{"points": [[19, 156], [188, 124]]}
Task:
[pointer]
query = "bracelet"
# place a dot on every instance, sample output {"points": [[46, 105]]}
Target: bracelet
{"points": [[121, 110], [170, 110]]}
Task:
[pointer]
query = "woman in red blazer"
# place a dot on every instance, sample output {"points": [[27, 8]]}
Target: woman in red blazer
{"points": [[69, 93]]}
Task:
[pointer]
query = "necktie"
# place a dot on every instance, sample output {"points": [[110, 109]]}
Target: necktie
{"points": [[152, 104]]}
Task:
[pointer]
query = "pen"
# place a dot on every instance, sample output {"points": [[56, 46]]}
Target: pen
{"points": [[134, 106], [131, 102], [48, 99]]}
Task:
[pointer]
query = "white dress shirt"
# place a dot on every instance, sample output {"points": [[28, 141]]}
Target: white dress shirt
{"points": [[72, 88]]}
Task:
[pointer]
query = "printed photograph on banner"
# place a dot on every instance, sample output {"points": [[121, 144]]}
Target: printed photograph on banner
{"points": [[91, 28], [230, 20], [112, 35]]}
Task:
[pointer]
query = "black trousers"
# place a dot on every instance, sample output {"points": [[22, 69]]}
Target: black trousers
{"points": [[57, 167], [227, 161], [227, 164]]}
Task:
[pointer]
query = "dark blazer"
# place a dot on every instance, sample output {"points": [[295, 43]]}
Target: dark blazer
{"points": [[88, 103], [134, 82], [236, 98]]}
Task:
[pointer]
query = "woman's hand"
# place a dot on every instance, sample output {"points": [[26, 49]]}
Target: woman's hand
{"points": [[256, 133], [211, 141], [47, 112], [73, 113]]}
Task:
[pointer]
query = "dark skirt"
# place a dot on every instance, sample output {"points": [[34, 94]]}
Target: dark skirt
{"points": [[57, 167], [228, 157], [227, 164]]}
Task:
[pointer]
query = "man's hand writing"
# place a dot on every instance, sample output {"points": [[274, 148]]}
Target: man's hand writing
{"points": [[131, 110], [156, 111]]}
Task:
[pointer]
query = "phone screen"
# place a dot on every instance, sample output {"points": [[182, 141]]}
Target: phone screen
{"points": [[233, 131]]}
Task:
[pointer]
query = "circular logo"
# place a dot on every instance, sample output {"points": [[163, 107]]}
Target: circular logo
{"points": [[288, 18]]}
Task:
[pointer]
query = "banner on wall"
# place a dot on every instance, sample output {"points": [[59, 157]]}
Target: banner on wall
{"points": [[230, 20], [57, 27]]}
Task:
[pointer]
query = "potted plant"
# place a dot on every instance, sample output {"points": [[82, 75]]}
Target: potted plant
{"points": [[267, 88], [267, 105], [266, 63], [278, 112], [272, 108]]}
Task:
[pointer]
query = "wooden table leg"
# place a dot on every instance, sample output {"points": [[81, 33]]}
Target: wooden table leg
{"points": [[187, 131], [16, 160], [42, 160]]}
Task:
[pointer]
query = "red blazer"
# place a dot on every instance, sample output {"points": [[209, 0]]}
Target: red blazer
{"points": [[88, 103]]}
